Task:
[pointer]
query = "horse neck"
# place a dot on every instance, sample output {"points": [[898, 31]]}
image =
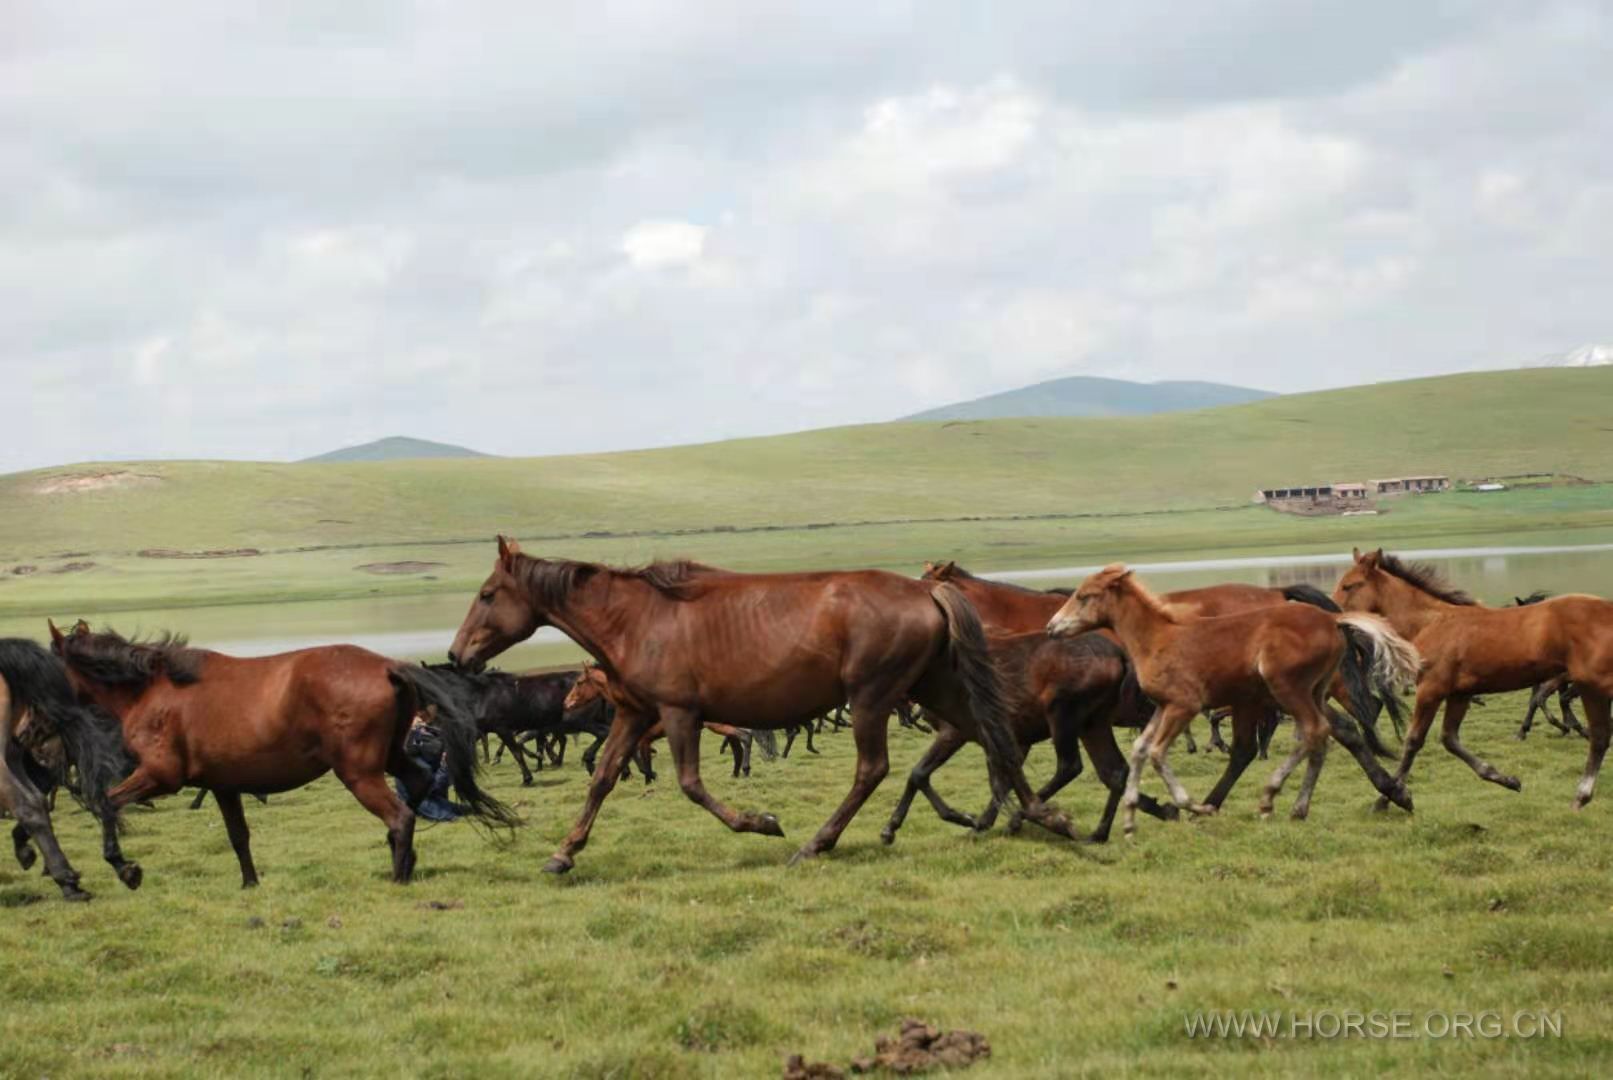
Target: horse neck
{"points": [[1408, 609], [117, 700], [606, 615], [1138, 623]]}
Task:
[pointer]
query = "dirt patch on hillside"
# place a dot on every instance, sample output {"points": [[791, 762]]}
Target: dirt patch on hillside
{"points": [[74, 483], [72, 568], [405, 567], [219, 553], [24, 570]]}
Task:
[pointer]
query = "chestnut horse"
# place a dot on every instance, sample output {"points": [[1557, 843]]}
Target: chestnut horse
{"points": [[684, 644], [1472, 649], [1281, 657], [594, 684], [43, 731], [1016, 609], [1072, 691], [270, 724]]}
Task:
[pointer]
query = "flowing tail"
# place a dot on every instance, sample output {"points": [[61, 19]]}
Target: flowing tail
{"points": [[1379, 658], [92, 740], [456, 722], [971, 661], [1310, 594], [767, 742]]}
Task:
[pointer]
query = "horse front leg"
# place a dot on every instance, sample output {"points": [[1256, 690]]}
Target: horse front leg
{"points": [[1597, 716], [624, 735], [683, 730], [1455, 710]]}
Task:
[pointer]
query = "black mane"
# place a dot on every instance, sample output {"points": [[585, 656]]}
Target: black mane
{"points": [[1425, 577], [110, 659], [1533, 598]]}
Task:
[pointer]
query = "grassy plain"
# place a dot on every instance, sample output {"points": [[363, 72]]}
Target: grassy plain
{"points": [[676, 949]]}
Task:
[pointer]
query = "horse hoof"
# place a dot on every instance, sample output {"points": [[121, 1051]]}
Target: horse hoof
{"points": [[75, 895], [1299, 813], [887, 835], [1015, 823], [1204, 810], [768, 825], [1265, 813], [1381, 805], [26, 857], [557, 864], [131, 875], [1099, 837], [1170, 811], [1511, 783], [249, 883]]}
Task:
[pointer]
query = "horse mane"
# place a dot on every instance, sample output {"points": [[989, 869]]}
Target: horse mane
{"points": [[951, 571], [111, 659], [1424, 577], [1533, 598], [552, 580]]}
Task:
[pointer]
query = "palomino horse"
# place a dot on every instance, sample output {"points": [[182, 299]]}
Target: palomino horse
{"points": [[1280, 657], [43, 730], [686, 644], [1072, 691], [1018, 610], [270, 724], [1471, 649]]}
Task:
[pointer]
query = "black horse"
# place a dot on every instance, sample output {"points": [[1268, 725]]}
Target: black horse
{"points": [[44, 733]]}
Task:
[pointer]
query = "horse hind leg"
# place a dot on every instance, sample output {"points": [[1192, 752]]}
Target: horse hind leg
{"points": [[376, 795], [29, 806], [1313, 772], [868, 730], [1450, 737], [948, 741], [1597, 716], [229, 806]]}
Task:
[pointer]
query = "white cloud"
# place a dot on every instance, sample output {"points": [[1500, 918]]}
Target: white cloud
{"points": [[653, 244], [764, 217]]}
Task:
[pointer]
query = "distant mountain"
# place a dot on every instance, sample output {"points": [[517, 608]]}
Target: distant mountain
{"points": [[396, 448], [1584, 356], [1083, 395]]}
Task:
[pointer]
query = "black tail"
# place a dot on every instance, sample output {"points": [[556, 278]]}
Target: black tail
{"points": [[456, 722], [92, 740], [1310, 594], [1356, 669], [971, 661]]}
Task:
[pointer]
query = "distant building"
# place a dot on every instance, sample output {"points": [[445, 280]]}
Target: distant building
{"points": [[1414, 485]]}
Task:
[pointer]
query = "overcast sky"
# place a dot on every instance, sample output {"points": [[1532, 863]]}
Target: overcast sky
{"points": [[552, 227]]}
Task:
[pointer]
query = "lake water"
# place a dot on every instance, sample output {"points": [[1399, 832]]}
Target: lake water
{"points": [[423, 626]]}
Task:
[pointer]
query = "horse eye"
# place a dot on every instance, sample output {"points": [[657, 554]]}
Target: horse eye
{"points": [[486, 598]]}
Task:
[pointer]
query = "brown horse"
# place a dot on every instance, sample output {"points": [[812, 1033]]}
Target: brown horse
{"points": [[686, 644], [271, 724], [1071, 691], [594, 684], [1472, 649], [1016, 609], [43, 731], [1280, 657]]}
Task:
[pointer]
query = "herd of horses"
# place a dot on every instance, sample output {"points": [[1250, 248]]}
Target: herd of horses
{"points": [[682, 648]]}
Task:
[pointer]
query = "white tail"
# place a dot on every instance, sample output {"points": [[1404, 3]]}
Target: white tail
{"points": [[1395, 661]]}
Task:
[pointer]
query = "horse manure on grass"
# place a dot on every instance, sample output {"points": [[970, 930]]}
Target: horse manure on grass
{"points": [[917, 1047]]}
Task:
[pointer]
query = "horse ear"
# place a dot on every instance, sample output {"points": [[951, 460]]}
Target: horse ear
{"points": [[1376, 557], [508, 549], [56, 636], [1355, 553]]}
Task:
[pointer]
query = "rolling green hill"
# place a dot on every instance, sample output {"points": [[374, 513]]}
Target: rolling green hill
{"points": [[1083, 395], [394, 448], [1001, 492]]}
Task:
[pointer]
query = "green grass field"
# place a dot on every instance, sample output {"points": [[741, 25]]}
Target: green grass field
{"points": [[999, 494], [676, 949]]}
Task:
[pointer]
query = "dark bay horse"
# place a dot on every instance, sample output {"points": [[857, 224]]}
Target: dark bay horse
{"points": [[1283, 657], [43, 732], [684, 644], [1471, 649], [595, 685], [1560, 687], [1073, 691], [263, 725]]}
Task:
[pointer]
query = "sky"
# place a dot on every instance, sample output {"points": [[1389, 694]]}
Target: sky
{"points": [[263, 231]]}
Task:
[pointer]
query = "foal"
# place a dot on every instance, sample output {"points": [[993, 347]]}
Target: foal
{"points": [[1472, 649], [1283, 657]]}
